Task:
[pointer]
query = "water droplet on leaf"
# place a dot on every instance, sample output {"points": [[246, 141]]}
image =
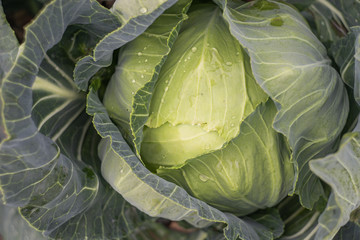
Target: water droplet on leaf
{"points": [[194, 49], [203, 178], [143, 10]]}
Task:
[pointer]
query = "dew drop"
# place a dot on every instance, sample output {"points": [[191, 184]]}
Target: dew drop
{"points": [[228, 63], [133, 81], [185, 60], [203, 178], [142, 76], [232, 125], [122, 171], [188, 58], [145, 48], [167, 88], [237, 53], [139, 53], [145, 60], [143, 10], [166, 81], [194, 49], [144, 70], [162, 100], [133, 93]]}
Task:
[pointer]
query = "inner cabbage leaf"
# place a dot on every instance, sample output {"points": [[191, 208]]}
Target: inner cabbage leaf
{"points": [[204, 91]]}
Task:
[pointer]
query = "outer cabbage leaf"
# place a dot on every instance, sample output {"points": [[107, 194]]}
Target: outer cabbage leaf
{"points": [[8, 45], [14, 227], [357, 67], [329, 23], [341, 171], [351, 231], [49, 165], [291, 65], [301, 4], [8, 52], [334, 18], [300, 223], [343, 52], [133, 18]]}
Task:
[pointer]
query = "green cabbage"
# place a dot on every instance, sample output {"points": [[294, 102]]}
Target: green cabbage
{"points": [[210, 124]]}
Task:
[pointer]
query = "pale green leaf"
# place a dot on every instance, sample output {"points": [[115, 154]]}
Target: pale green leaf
{"points": [[291, 65], [128, 93], [234, 180], [133, 19], [341, 171]]}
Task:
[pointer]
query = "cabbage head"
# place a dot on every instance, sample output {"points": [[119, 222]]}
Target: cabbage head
{"points": [[229, 103], [210, 124]]}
